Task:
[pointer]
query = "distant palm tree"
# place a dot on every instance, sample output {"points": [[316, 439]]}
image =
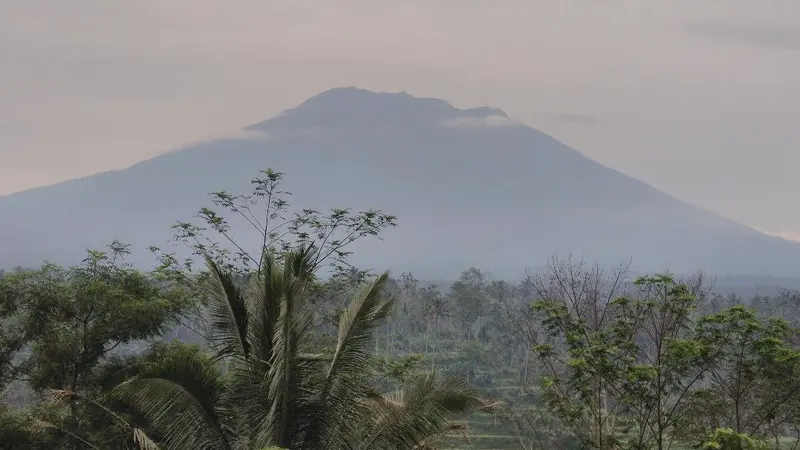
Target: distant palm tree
{"points": [[260, 388]]}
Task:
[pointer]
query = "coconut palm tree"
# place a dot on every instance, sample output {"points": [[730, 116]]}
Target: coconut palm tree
{"points": [[260, 387]]}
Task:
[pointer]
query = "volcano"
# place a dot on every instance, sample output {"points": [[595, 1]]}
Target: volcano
{"points": [[470, 187]]}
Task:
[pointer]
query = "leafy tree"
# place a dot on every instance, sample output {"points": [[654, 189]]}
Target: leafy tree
{"points": [[469, 293], [265, 213], [754, 376], [576, 313], [264, 221], [436, 306], [69, 319], [632, 359], [64, 323], [659, 364], [407, 315]]}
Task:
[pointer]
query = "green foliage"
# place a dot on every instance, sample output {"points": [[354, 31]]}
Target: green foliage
{"points": [[16, 430], [263, 384], [640, 360], [290, 358], [727, 439], [754, 375], [266, 211], [273, 392], [69, 319], [397, 369]]}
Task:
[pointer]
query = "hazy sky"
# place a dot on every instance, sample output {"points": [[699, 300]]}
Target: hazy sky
{"points": [[700, 98]]}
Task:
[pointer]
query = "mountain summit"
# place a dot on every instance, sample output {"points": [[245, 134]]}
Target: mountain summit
{"points": [[470, 187], [353, 106]]}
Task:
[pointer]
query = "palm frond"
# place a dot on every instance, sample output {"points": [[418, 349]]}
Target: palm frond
{"points": [[419, 412], [356, 327], [283, 366], [250, 381], [341, 396], [143, 441], [63, 396], [44, 425], [266, 297], [458, 428], [281, 326], [302, 261], [228, 313], [180, 398]]}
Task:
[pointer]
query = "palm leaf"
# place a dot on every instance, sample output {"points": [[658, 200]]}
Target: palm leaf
{"points": [[64, 396], [340, 399], [420, 411], [144, 442], [44, 425], [274, 387], [295, 322], [228, 313], [266, 294], [356, 327], [251, 382], [180, 398], [459, 428]]}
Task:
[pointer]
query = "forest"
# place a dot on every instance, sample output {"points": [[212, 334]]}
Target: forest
{"points": [[285, 344]]}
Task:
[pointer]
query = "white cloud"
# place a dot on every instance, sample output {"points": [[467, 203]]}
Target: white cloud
{"points": [[237, 135], [788, 235]]}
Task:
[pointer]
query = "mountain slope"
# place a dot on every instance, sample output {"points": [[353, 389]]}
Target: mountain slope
{"points": [[470, 187]]}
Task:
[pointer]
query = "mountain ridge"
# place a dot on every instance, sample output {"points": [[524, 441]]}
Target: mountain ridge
{"points": [[457, 178], [351, 99]]}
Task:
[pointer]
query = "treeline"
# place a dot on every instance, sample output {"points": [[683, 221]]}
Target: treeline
{"points": [[587, 358], [289, 346]]}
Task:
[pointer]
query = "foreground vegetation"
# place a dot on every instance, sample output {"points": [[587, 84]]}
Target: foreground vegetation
{"points": [[289, 346]]}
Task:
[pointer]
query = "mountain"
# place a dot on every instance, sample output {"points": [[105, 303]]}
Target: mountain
{"points": [[470, 187]]}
